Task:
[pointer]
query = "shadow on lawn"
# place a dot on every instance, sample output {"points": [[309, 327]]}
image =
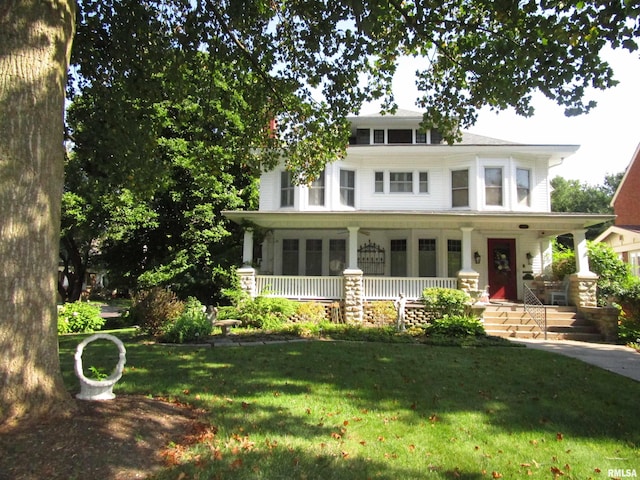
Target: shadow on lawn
{"points": [[510, 390]]}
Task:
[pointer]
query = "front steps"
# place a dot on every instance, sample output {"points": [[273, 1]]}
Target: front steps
{"points": [[563, 323]]}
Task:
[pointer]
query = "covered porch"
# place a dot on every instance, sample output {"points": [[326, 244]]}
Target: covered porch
{"points": [[454, 249]]}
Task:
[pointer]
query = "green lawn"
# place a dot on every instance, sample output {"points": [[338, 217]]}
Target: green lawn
{"points": [[334, 410]]}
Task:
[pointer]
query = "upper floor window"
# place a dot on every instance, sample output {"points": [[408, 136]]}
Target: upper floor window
{"points": [[523, 180], [493, 186], [348, 187], [460, 188], [436, 137], [421, 137], [401, 182], [378, 136], [316, 191], [362, 136], [379, 182], [287, 189], [400, 136], [423, 182]]}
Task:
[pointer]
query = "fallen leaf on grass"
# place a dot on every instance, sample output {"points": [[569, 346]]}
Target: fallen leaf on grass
{"points": [[496, 475]]}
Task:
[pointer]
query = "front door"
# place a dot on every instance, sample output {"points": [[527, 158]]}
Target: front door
{"points": [[502, 268]]}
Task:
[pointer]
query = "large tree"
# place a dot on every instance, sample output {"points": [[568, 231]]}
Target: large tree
{"points": [[470, 53], [35, 43]]}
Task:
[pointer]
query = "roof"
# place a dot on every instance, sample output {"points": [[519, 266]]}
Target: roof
{"points": [[635, 157]]}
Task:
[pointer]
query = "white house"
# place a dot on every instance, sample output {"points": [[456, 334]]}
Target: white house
{"points": [[404, 211]]}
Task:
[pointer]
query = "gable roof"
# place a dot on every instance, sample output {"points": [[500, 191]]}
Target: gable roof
{"points": [[630, 167]]}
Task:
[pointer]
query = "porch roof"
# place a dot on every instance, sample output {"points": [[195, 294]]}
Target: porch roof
{"points": [[546, 224]]}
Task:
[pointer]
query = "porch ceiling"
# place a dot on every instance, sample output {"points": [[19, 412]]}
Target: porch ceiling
{"points": [[546, 224]]}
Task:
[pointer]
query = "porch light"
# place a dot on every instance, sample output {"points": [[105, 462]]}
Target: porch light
{"points": [[477, 257], [529, 258]]}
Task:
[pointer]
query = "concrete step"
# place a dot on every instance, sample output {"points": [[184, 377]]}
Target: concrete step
{"points": [[563, 323]]}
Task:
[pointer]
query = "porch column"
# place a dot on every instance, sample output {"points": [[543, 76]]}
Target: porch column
{"points": [[466, 249], [353, 296], [583, 283], [247, 278], [247, 248], [580, 246], [467, 277], [352, 263]]}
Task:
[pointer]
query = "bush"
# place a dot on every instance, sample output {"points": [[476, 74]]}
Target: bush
{"points": [[191, 325], [311, 312], [564, 261], [261, 312], [79, 317], [383, 312], [153, 309], [456, 326], [443, 302], [614, 276]]}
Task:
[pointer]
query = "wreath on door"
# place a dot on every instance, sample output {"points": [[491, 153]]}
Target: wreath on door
{"points": [[501, 262]]}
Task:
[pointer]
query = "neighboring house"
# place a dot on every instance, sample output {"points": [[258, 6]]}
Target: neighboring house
{"points": [[624, 235], [403, 211]]}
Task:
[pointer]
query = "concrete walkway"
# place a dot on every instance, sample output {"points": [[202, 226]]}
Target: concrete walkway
{"points": [[615, 358]]}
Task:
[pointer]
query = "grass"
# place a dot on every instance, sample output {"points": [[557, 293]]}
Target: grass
{"points": [[356, 410]]}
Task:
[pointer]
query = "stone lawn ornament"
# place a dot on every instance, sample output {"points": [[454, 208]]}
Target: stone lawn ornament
{"points": [[400, 307], [91, 389]]}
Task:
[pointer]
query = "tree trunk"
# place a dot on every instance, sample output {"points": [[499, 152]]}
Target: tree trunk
{"points": [[35, 43]]}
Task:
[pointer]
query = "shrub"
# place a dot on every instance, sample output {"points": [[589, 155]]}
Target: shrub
{"points": [[563, 261], [383, 312], [155, 308], [614, 276], [312, 312], [191, 325], [456, 326], [260, 312], [445, 301], [79, 317]]}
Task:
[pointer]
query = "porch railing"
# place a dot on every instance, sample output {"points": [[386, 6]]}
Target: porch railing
{"points": [[321, 288], [534, 307], [331, 288], [388, 288]]}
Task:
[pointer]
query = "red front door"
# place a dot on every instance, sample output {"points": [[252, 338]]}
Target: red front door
{"points": [[502, 268]]}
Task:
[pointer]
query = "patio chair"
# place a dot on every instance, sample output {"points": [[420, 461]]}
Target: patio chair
{"points": [[561, 297]]}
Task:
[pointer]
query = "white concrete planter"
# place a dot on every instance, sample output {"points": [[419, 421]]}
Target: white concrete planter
{"points": [[91, 389]]}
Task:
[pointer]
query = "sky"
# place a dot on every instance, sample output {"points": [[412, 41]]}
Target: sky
{"points": [[608, 135]]}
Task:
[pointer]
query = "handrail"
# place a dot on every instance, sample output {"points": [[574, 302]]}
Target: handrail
{"points": [[536, 310]]}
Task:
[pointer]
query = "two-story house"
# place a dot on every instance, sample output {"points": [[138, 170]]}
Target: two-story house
{"points": [[404, 211], [624, 235]]}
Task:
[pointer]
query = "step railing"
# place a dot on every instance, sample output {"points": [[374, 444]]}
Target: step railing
{"points": [[536, 310]]}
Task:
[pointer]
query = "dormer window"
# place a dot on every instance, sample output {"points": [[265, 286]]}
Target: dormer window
{"points": [[378, 136], [363, 136], [421, 137], [400, 136]]}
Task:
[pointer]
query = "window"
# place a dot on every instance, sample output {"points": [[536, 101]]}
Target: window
{"points": [[493, 186], [314, 257], [454, 257], [290, 256], [378, 136], [400, 136], [436, 137], [423, 182], [426, 257], [379, 182], [421, 137], [347, 187], [287, 190], [362, 136], [337, 256], [634, 261], [460, 188], [524, 187], [316, 191], [401, 182], [398, 258]]}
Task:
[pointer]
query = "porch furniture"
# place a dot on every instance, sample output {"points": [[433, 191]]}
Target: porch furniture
{"points": [[225, 325], [561, 297]]}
